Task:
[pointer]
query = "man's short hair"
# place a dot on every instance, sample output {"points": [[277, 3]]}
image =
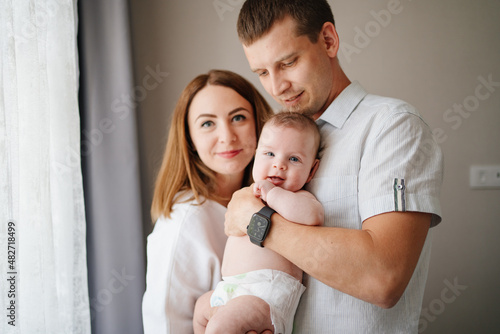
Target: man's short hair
{"points": [[258, 16]]}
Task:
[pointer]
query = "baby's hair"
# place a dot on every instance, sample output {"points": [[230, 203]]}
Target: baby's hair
{"points": [[295, 120]]}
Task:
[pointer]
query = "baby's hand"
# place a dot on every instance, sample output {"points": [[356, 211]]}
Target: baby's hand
{"points": [[261, 188]]}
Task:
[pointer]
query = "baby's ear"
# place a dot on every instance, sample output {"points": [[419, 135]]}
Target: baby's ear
{"points": [[314, 168]]}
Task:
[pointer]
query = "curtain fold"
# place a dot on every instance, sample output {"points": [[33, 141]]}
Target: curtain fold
{"points": [[111, 168], [43, 285]]}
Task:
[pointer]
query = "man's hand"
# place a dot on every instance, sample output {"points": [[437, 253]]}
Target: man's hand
{"points": [[261, 188], [240, 209]]}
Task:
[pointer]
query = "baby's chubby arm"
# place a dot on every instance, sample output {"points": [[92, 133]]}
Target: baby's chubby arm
{"points": [[299, 207]]}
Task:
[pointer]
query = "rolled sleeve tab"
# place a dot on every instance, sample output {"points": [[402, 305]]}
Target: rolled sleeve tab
{"points": [[399, 195]]}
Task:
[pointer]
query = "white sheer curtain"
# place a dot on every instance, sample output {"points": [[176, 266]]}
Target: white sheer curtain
{"points": [[44, 283]]}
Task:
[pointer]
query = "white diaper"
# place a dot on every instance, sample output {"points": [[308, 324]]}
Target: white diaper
{"points": [[280, 290]]}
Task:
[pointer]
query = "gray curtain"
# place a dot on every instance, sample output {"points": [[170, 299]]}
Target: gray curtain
{"points": [[110, 168]]}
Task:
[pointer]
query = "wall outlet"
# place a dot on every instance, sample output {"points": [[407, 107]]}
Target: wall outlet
{"points": [[485, 177]]}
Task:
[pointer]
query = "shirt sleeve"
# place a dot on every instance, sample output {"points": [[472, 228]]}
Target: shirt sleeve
{"points": [[184, 260], [401, 167]]}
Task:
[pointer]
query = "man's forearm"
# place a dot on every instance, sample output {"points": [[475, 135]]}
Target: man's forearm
{"points": [[374, 264]]}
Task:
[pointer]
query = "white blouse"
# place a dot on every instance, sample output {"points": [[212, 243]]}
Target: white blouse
{"points": [[184, 255]]}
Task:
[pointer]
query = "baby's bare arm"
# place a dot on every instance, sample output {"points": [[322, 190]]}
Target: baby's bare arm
{"points": [[261, 188], [299, 207]]}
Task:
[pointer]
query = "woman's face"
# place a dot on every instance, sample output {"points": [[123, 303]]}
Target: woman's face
{"points": [[222, 127]]}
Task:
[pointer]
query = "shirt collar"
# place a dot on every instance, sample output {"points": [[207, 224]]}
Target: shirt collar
{"points": [[341, 108]]}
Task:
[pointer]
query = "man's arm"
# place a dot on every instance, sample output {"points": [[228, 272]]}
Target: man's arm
{"points": [[373, 264]]}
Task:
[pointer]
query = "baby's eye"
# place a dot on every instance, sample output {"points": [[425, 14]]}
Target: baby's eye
{"points": [[294, 159], [270, 154]]}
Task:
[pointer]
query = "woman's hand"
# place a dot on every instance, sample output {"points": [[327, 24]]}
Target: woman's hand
{"points": [[240, 209]]}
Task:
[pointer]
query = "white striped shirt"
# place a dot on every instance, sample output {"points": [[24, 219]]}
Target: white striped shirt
{"points": [[379, 156]]}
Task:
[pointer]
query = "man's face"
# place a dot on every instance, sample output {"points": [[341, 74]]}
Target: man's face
{"points": [[293, 70]]}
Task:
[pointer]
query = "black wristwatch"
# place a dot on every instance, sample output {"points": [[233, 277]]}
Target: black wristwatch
{"points": [[259, 225]]}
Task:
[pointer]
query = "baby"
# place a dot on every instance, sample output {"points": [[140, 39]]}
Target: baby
{"points": [[260, 288]]}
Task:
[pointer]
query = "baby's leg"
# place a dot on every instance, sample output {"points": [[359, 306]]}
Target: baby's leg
{"points": [[240, 315], [202, 313]]}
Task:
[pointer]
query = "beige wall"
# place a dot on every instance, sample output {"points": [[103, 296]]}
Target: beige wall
{"points": [[431, 53]]}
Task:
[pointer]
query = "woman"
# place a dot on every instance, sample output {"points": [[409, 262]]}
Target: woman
{"points": [[211, 144]]}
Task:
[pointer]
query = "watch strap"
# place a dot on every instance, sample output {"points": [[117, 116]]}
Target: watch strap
{"points": [[267, 212]]}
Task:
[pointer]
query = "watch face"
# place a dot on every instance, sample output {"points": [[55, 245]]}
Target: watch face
{"points": [[257, 228]]}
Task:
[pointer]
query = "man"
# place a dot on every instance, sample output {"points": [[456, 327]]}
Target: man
{"points": [[379, 179]]}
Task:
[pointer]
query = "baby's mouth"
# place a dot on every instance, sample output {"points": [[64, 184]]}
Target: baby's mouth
{"points": [[276, 180]]}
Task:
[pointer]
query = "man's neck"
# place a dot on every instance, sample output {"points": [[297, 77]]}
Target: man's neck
{"points": [[340, 82]]}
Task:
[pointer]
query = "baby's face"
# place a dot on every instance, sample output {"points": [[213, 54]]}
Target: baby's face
{"points": [[285, 157]]}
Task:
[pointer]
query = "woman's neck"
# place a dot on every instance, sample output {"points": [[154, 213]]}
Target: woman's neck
{"points": [[227, 185]]}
